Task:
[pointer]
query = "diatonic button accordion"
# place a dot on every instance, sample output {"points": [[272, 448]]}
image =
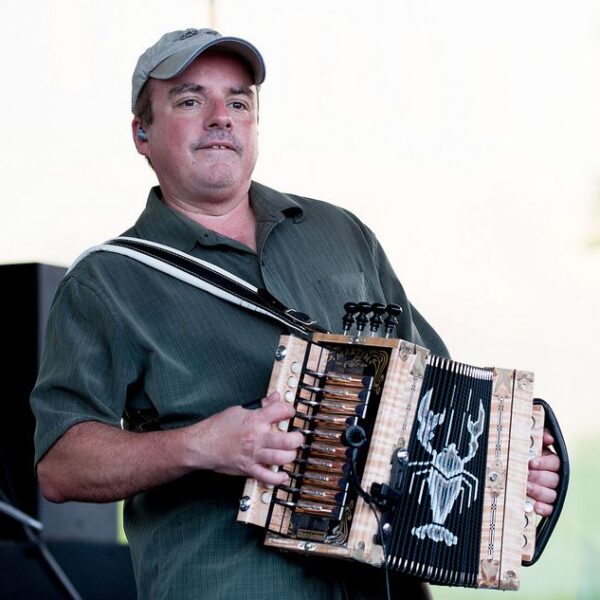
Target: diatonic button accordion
{"points": [[410, 460]]}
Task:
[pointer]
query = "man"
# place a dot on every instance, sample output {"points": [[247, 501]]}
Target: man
{"points": [[178, 363]]}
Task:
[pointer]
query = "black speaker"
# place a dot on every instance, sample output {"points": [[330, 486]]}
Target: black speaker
{"points": [[27, 293], [83, 536]]}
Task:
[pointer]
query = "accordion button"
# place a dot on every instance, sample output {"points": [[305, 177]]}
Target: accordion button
{"points": [[528, 506], [296, 368], [292, 382], [282, 425], [289, 396], [265, 497]]}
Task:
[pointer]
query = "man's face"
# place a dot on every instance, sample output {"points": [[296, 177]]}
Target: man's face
{"points": [[203, 138]]}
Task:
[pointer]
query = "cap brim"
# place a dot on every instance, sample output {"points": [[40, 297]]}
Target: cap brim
{"points": [[175, 64]]}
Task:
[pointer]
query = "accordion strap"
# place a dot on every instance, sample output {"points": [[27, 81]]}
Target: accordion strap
{"points": [[208, 277], [546, 525]]}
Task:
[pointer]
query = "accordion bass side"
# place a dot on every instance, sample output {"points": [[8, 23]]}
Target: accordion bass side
{"points": [[410, 460]]}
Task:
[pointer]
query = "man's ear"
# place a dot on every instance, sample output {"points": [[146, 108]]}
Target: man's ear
{"points": [[140, 136]]}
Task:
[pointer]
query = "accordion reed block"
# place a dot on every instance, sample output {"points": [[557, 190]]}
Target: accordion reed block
{"points": [[410, 460]]}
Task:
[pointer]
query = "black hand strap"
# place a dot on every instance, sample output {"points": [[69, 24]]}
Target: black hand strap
{"points": [[546, 525], [209, 278]]}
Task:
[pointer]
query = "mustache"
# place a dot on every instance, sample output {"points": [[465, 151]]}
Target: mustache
{"points": [[218, 137]]}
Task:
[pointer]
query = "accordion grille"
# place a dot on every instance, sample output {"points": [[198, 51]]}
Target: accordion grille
{"points": [[435, 533]]}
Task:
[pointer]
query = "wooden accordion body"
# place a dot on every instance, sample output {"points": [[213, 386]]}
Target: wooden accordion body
{"points": [[435, 450]]}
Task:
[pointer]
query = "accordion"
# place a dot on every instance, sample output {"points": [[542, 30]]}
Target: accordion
{"points": [[411, 461]]}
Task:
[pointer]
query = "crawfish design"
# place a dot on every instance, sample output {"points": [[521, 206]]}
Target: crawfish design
{"points": [[445, 473]]}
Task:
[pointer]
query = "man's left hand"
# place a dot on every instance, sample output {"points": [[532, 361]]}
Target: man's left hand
{"points": [[543, 478]]}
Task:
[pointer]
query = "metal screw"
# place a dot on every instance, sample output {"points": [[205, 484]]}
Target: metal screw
{"points": [[361, 546], [493, 477], [387, 527], [280, 352], [245, 503], [401, 455], [307, 547]]}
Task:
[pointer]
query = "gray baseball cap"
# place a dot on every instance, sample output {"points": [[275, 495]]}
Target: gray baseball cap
{"points": [[176, 50]]}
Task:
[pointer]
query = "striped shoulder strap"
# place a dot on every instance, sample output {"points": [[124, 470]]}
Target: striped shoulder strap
{"points": [[207, 277]]}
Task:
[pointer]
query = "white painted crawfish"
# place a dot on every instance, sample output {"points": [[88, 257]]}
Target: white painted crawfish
{"points": [[446, 474]]}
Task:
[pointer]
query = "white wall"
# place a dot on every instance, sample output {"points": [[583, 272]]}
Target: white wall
{"points": [[465, 133]]}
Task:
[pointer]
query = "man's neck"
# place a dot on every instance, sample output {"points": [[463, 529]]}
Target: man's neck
{"points": [[234, 219]]}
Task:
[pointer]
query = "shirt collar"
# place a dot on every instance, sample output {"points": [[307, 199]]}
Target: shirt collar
{"points": [[160, 223], [271, 205]]}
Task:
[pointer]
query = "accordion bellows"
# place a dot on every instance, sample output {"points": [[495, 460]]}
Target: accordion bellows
{"points": [[411, 460]]}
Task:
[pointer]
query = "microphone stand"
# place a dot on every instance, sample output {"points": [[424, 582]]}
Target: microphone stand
{"points": [[31, 526], [19, 516]]}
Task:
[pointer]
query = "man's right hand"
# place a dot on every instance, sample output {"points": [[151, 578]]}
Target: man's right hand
{"points": [[95, 462], [244, 442]]}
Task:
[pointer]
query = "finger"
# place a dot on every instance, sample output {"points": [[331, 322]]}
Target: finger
{"points": [[270, 456], [548, 479], [549, 452], [548, 439], [543, 509], [546, 462], [282, 441], [275, 411], [272, 397], [268, 476], [541, 493]]}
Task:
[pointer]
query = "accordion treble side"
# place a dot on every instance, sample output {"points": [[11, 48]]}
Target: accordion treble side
{"points": [[410, 460]]}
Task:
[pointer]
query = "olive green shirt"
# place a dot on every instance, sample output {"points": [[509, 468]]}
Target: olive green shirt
{"points": [[125, 337]]}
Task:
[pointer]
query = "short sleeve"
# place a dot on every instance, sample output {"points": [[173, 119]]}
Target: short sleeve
{"points": [[85, 368]]}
